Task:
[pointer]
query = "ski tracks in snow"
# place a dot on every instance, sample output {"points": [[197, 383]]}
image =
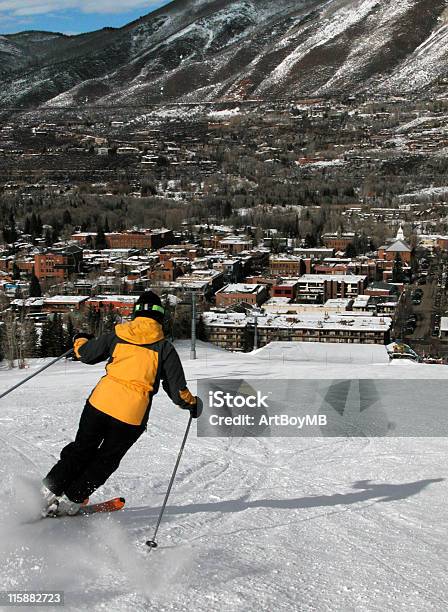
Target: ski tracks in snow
{"points": [[252, 524]]}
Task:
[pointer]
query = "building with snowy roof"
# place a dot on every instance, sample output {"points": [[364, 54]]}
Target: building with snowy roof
{"points": [[322, 287], [235, 331], [397, 248], [64, 303], [234, 293]]}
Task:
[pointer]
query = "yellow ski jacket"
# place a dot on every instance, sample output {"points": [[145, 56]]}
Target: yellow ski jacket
{"points": [[139, 359]]}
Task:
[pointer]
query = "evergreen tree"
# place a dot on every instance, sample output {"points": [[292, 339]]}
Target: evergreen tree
{"points": [[46, 338], [35, 228], [350, 251], [201, 331], [94, 320], [310, 241], [15, 271], [52, 339], [48, 237], [69, 333], [39, 226], [31, 343], [397, 270], [10, 234], [110, 319], [59, 337], [100, 242], [35, 289], [12, 227], [27, 226], [169, 318], [66, 218]]}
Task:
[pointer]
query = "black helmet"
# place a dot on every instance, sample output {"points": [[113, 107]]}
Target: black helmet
{"points": [[149, 305]]}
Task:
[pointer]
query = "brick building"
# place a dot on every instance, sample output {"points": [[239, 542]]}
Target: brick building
{"points": [[390, 252], [236, 293], [319, 288], [235, 244], [58, 264], [229, 331], [338, 241], [288, 266], [169, 270], [49, 266], [286, 289], [123, 304], [236, 331], [146, 239], [383, 289], [142, 239], [64, 303], [184, 251]]}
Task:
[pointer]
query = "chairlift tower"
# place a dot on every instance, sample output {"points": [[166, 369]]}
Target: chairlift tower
{"points": [[193, 326]]}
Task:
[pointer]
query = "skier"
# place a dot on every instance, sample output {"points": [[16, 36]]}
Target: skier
{"points": [[117, 411]]}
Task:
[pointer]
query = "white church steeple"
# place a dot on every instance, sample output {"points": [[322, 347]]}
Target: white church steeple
{"points": [[400, 233]]}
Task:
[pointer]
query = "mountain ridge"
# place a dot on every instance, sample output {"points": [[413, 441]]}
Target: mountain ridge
{"points": [[205, 50]]}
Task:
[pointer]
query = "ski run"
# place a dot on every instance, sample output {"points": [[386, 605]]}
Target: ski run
{"points": [[325, 524]]}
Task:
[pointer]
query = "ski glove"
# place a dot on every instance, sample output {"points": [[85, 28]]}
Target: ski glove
{"points": [[79, 340], [196, 410], [191, 402]]}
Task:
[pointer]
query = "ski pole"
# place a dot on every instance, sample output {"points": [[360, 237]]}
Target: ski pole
{"points": [[22, 382], [152, 543]]}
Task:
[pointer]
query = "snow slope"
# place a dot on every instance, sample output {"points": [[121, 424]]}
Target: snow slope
{"points": [[210, 50], [253, 524]]}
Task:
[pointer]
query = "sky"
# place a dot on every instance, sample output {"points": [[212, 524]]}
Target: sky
{"points": [[71, 16]]}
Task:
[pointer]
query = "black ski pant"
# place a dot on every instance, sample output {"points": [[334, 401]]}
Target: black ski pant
{"points": [[86, 464]]}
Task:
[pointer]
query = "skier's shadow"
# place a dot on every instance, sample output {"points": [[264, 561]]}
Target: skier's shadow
{"points": [[364, 490]]}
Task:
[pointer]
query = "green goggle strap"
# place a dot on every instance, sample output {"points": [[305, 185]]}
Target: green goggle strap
{"points": [[138, 307]]}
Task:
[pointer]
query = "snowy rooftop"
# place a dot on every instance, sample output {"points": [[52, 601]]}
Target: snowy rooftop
{"points": [[277, 300], [361, 300], [398, 247], [32, 301], [235, 240], [308, 320], [287, 283], [444, 324], [333, 322], [338, 303], [339, 278], [127, 299], [321, 251], [241, 288], [66, 299], [288, 258]]}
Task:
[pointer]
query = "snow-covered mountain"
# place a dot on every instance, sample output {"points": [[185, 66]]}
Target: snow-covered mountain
{"points": [[216, 49], [252, 524]]}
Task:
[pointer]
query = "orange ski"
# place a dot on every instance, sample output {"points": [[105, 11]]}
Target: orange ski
{"points": [[111, 505]]}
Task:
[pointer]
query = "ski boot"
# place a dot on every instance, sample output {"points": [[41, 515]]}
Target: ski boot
{"points": [[63, 506], [48, 499]]}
